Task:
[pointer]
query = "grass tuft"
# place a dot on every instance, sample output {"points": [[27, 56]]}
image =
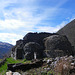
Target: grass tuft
{"points": [[3, 68]]}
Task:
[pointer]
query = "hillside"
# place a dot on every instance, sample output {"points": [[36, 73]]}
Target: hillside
{"points": [[69, 31], [3, 68], [4, 48], [47, 66]]}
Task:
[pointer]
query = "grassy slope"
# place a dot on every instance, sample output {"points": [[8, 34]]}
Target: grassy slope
{"points": [[3, 68], [0, 59]]}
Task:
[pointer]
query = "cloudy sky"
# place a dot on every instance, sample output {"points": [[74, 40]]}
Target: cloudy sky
{"points": [[18, 17]]}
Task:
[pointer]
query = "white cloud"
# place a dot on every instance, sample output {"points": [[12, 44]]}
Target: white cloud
{"points": [[72, 18], [10, 37], [4, 3], [24, 18], [46, 29], [51, 29], [14, 24], [25, 15]]}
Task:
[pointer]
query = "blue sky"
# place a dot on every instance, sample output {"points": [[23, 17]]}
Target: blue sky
{"points": [[18, 17]]}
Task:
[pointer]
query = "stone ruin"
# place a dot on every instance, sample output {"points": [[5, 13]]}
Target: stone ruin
{"points": [[42, 45]]}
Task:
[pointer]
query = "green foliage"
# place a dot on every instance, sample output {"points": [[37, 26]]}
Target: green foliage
{"points": [[36, 71], [50, 72], [3, 68], [0, 59], [24, 60]]}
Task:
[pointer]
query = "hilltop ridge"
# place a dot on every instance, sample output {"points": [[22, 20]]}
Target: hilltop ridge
{"points": [[69, 31], [5, 48]]}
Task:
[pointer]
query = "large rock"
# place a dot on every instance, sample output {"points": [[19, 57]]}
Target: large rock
{"points": [[36, 37], [16, 73], [69, 31], [57, 45], [30, 48], [9, 73], [17, 51]]}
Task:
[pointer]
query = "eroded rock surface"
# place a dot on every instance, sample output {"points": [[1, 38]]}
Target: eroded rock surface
{"points": [[31, 48], [57, 45], [23, 48], [43, 44]]}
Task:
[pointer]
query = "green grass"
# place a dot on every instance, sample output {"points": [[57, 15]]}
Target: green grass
{"points": [[3, 68], [0, 59], [51, 72]]}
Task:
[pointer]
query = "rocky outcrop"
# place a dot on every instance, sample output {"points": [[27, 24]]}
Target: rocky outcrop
{"points": [[22, 48], [31, 48], [36, 37], [41, 45], [57, 45], [50, 66], [69, 31], [17, 51]]}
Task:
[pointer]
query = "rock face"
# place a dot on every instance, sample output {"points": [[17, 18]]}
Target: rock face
{"points": [[69, 31], [33, 45], [25, 48], [57, 45], [31, 48], [17, 51], [36, 37]]}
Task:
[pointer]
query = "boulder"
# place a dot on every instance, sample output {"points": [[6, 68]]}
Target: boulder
{"points": [[16, 73], [37, 37], [31, 48], [17, 51], [57, 45], [9, 73], [33, 44]]}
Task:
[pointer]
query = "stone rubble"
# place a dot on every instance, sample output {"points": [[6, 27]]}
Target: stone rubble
{"points": [[66, 62], [12, 73]]}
